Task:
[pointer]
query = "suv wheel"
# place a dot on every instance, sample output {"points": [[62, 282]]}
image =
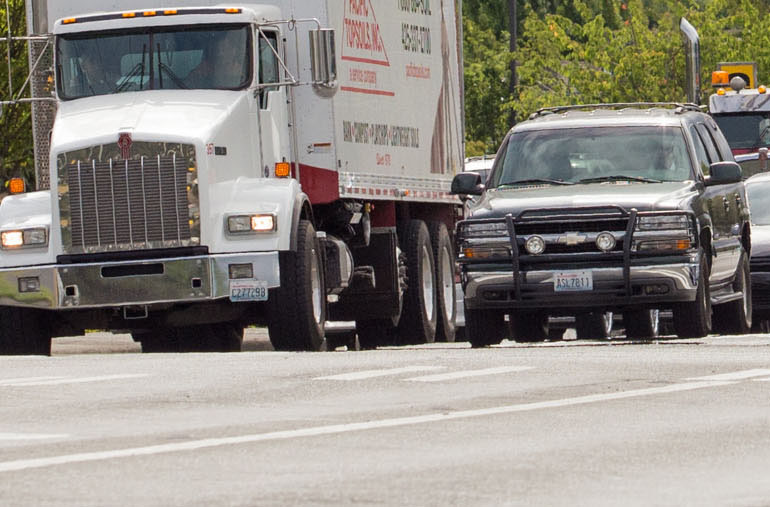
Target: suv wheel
{"points": [[735, 317], [693, 319]]}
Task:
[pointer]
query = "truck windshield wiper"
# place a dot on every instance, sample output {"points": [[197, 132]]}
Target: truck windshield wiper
{"points": [[619, 177], [535, 180]]}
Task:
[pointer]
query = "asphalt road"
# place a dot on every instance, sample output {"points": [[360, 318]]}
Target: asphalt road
{"points": [[672, 422]]}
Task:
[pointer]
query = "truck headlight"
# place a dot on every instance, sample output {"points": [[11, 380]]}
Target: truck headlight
{"points": [[663, 222], [257, 223], [664, 233], [24, 238]]}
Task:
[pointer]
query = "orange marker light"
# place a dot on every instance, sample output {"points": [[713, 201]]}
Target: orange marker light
{"points": [[232, 10], [282, 169], [720, 78], [69, 21], [129, 14], [721, 91], [149, 13], [16, 186], [762, 89], [170, 12]]}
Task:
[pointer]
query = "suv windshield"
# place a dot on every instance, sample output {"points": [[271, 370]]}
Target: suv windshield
{"points": [[745, 131], [594, 154], [155, 59]]}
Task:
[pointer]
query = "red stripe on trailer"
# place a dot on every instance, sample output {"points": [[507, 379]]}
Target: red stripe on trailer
{"points": [[321, 185]]}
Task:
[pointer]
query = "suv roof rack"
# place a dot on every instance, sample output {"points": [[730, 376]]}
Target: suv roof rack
{"points": [[679, 107]]}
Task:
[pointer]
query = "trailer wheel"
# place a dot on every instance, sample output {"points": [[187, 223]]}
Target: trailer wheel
{"points": [[419, 315], [484, 327], [693, 319], [298, 306], [24, 331], [597, 325], [444, 261], [642, 324], [735, 317]]}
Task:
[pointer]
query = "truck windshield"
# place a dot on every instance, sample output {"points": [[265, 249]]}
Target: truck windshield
{"points": [[594, 154], [745, 131], [156, 59]]}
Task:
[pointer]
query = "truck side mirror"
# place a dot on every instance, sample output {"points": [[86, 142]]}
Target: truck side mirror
{"points": [[323, 57], [467, 184], [723, 173]]}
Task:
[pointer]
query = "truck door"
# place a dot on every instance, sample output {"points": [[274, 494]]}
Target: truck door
{"points": [[272, 115]]}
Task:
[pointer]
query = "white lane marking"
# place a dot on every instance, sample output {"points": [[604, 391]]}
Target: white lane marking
{"points": [[360, 375], [26, 464], [762, 380], [30, 436], [736, 375], [68, 380], [468, 373]]}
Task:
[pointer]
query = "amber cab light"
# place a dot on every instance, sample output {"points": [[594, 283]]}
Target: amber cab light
{"points": [[16, 186], [720, 78], [282, 169]]}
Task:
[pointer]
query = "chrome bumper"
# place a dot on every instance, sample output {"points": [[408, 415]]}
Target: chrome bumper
{"points": [[115, 284], [537, 287]]}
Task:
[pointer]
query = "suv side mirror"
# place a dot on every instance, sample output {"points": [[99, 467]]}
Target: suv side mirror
{"points": [[467, 184], [723, 173]]}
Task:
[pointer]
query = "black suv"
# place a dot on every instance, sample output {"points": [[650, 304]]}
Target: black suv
{"points": [[625, 208]]}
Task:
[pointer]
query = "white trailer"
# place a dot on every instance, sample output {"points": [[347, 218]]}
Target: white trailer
{"points": [[217, 166]]}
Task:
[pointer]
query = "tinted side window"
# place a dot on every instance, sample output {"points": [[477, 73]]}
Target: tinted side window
{"points": [[700, 151], [708, 143], [494, 179], [720, 141]]}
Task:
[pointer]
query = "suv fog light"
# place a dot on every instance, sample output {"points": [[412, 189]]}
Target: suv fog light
{"points": [[660, 288], [535, 245], [29, 284], [605, 241], [241, 271]]}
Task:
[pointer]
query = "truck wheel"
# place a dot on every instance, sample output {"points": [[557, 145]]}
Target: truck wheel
{"points": [[594, 325], [24, 331], [298, 306], [735, 317], [530, 328], [641, 324], [444, 260], [418, 317], [693, 319], [484, 327]]}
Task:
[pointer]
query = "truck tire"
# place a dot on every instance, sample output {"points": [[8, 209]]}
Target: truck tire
{"points": [[735, 317], [24, 331], [298, 306], [594, 325], [693, 318], [530, 327], [484, 327], [419, 315], [444, 261], [641, 324]]}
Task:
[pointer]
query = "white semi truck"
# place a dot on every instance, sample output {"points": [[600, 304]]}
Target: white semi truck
{"points": [[216, 166]]}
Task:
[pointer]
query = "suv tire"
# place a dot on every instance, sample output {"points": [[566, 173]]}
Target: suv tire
{"points": [[693, 319], [735, 317]]}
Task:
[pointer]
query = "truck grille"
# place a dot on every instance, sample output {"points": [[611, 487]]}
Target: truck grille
{"points": [[146, 202]]}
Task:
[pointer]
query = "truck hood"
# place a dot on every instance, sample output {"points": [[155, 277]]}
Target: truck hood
{"points": [[158, 115], [642, 196]]}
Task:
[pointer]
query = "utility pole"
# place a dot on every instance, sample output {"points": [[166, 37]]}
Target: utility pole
{"points": [[512, 28]]}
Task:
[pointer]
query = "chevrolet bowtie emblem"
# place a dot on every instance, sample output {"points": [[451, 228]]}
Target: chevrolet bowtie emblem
{"points": [[572, 239]]}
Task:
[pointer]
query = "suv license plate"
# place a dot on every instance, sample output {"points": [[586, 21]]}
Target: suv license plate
{"points": [[248, 290], [565, 281]]}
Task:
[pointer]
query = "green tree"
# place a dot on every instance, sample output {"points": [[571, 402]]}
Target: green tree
{"points": [[16, 147]]}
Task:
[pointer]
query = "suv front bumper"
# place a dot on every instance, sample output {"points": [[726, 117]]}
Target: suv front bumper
{"points": [[651, 285], [145, 282]]}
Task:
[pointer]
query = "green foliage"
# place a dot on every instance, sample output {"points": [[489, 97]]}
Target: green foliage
{"points": [[16, 149], [590, 51]]}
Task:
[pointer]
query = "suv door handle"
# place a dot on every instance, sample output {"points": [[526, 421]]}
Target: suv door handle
{"points": [[726, 202]]}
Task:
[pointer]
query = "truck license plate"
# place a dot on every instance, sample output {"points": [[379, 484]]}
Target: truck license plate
{"points": [[248, 290], [573, 281]]}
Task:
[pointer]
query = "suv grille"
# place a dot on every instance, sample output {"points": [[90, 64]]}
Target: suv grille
{"points": [[143, 203]]}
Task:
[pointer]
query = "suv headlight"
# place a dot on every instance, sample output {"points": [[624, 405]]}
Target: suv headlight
{"points": [[664, 233], [471, 229], [24, 238]]}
